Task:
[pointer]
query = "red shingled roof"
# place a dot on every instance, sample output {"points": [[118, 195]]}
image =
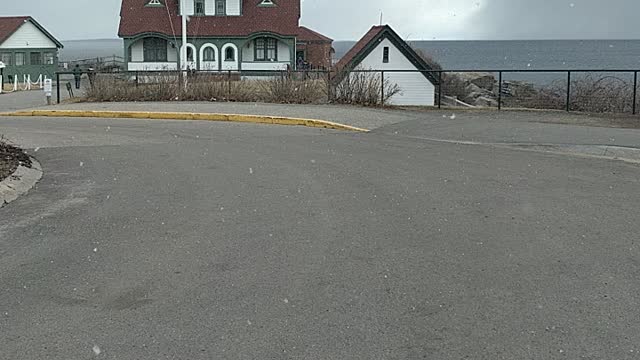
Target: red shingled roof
{"points": [[9, 25], [366, 45], [136, 18], [306, 34], [359, 46]]}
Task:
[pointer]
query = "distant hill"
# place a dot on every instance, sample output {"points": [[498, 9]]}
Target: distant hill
{"points": [[86, 49], [342, 47]]}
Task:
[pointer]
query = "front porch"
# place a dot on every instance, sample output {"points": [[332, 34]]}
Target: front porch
{"points": [[261, 52]]}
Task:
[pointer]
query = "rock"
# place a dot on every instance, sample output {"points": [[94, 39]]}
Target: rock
{"points": [[484, 81], [518, 88], [484, 101]]}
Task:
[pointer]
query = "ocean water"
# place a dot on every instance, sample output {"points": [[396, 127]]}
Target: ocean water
{"points": [[87, 49], [536, 54], [471, 55]]}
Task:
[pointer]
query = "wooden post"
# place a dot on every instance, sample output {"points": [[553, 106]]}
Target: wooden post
{"points": [[500, 90], [568, 91], [440, 90], [382, 87], [58, 87], [635, 91], [329, 84]]}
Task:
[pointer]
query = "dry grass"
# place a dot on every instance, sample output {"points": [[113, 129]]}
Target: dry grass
{"points": [[9, 87], [281, 88], [606, 94]]}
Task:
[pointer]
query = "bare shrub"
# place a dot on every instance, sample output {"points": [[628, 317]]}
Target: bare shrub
{"points": [[607, 94], [364, 88], [169, 86], [211, 87], [455, 86], [603, 95], [294, 89], [151, 87]]}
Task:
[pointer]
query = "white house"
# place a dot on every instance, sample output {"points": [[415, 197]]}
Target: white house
{"points": [[27, 48], [382, 49]]}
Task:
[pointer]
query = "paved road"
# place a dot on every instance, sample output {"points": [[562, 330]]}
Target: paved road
{"points": [[196, 240], [480, 126], [31, 99]]}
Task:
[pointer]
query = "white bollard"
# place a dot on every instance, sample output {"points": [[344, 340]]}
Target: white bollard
{"points": [[48, 86]]}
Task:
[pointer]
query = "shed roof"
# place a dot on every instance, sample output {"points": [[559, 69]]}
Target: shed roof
{"points": [[11, 24], [369, 42]]}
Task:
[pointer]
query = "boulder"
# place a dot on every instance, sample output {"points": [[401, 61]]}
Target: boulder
{"points": [[484, 101], [484, 81]]}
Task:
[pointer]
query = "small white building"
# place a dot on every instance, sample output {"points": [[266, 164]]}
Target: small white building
{"points": [[383, 49], [27, 49]]}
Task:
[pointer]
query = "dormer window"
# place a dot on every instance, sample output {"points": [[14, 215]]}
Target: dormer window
{"points": [[154, 3], [199, 7], [221, 8], [267, 3]]}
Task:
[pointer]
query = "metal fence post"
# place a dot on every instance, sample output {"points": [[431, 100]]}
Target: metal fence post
{"points": [[568, 91], [229, 83], [500, 90], [137, 81], [329, 84], [440, 89], [382, 87], [58, 88], [635, 91]]}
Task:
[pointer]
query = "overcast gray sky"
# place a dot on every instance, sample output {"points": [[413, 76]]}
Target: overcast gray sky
{"points": [[414, 19]]}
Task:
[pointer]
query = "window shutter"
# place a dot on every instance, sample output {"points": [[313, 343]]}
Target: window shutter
{"points": [[210, 7], [189, 7], [233, 7]]}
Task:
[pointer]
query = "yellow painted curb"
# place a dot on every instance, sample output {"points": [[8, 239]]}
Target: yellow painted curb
{"points": [[259, 119]]}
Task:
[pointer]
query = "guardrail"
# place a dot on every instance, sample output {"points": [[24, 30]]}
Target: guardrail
{"points": [[571, 76]]}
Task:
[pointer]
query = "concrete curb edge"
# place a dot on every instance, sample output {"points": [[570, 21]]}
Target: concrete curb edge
{"points": [[20, 182], [258, 119]]}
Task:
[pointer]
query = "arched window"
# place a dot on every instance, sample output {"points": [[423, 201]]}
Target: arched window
{"points": [[155, 50], [209, 54], [230, 54], [190, 54]]}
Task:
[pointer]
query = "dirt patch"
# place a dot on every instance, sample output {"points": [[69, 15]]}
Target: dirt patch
{"points": [[10, 158]]}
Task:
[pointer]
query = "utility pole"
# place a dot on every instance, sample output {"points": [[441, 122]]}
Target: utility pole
{"points": [[183, 48]]}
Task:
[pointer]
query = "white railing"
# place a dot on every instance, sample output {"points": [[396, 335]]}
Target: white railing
{"points": [[152, 66], [270, 65]]}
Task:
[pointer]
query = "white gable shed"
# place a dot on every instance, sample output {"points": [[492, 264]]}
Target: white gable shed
{"points": [[382, 49]]}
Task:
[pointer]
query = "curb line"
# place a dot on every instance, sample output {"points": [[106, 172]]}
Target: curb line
{"points": [[606, 152], [20, 182], [258, 119]]}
